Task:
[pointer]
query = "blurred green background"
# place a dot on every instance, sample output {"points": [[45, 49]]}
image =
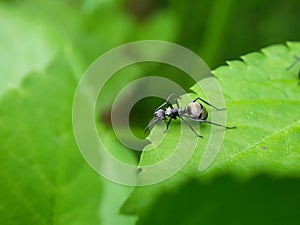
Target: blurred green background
{"points": [[33, 32]]}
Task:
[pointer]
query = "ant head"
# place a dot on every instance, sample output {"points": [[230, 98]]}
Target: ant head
{"points": [[160, 114]]}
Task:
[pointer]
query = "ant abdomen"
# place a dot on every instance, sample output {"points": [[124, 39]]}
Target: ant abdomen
{"points": [[196, 111]]}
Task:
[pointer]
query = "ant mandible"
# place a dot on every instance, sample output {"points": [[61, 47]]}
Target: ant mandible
{"points": [[193, 111]]}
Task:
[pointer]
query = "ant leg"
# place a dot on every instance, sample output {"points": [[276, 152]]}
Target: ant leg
{"points": [[207, 103], [152, 122], [168, 125], [164, 104], [191, 127], [216, 124], [297, 59], [177, 104], [171, 96]]}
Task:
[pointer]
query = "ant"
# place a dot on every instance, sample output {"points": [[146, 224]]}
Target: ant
{"points": [[193, 111], [297, 59]]}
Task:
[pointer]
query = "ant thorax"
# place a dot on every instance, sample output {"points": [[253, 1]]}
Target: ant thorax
{"points": [[169, 111], [172, 112]]}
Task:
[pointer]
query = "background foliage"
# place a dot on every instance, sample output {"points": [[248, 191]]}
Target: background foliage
{"points": [[45, 46]]}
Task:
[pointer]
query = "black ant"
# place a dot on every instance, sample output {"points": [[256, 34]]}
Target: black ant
{"points": [[297, 59], [193, 111]]}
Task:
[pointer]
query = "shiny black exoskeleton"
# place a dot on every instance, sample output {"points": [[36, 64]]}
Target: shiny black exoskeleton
{"points": [[193, 111]]}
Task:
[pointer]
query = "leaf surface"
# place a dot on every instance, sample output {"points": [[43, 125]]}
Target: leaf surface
{"points": [[262, 100], [44, 178], [25, 46]]}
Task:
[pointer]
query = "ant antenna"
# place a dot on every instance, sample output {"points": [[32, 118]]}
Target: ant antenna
{"points": [[167, 102]]}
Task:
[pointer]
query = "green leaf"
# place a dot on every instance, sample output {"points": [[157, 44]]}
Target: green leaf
{"points": [[44, 178], [262, 200], [262, 100], [25, 46]]}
